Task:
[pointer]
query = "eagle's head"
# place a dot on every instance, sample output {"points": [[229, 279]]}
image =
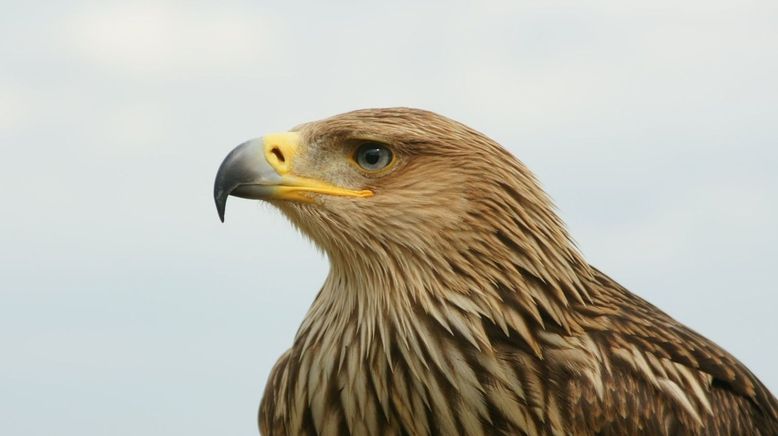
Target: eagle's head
{"points": [[379, 186]]}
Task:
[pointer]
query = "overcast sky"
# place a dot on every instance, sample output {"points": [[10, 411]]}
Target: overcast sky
{"points": [[127, 308]]}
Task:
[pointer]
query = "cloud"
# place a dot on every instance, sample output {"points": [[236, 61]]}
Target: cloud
{"points": [[158, 37], [15, 107]]}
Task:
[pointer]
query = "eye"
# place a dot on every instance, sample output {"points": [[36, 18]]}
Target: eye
{"points": [[373, 156]]}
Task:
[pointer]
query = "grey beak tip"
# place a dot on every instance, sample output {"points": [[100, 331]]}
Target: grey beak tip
{"points": [[239, 167], [221, 202], [223, 184]]}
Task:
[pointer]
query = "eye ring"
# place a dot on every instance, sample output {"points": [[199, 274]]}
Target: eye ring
{"points": [[373, 156]]}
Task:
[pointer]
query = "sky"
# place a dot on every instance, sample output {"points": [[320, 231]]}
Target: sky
{"points": [[127, 308]]}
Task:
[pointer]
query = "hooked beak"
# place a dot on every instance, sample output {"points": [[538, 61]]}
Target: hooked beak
{"points": [[260, 169]]}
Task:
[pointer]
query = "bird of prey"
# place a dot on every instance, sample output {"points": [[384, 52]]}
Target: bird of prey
{"points": [[456, 303]]}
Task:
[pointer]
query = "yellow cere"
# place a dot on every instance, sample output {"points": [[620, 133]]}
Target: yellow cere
{"points": [[280, 150]]}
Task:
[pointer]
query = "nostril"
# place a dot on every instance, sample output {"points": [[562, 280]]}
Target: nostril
{"points": [[277, 152]]}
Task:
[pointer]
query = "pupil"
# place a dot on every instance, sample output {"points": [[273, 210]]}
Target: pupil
{"points": [[372, 156]]}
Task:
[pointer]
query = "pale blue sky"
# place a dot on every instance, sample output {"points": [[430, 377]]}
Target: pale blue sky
{"points": [[127, 308]]}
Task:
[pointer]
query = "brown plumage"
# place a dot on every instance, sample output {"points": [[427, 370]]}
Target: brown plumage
{"points": [[456, 303]]}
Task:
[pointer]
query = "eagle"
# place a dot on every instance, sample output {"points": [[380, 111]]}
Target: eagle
{"points": [[457, 304]]}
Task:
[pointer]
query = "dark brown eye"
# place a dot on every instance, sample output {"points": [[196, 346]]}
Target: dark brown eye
{"points": [[373, 156]]}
